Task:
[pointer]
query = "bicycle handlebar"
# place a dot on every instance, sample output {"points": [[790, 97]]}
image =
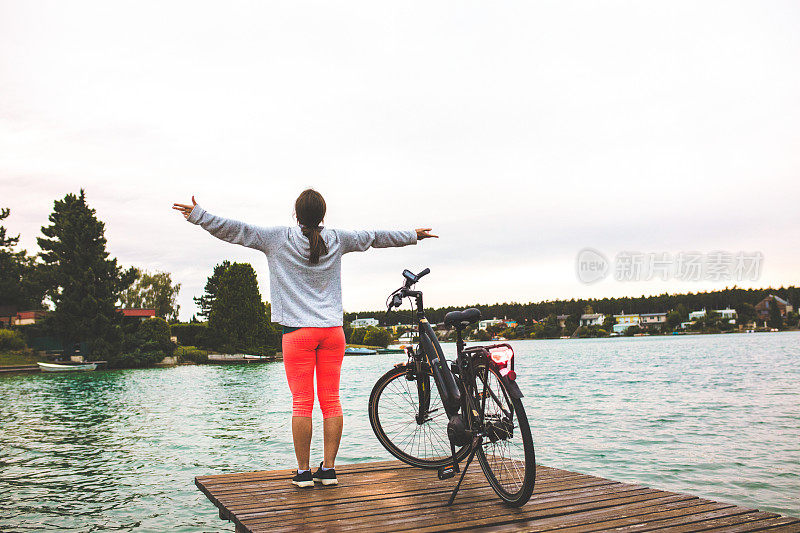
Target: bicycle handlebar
{"points": [[396, 298], [412, 278]]}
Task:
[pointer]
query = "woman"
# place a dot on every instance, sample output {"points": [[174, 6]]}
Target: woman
{"points": [[306, 290]]}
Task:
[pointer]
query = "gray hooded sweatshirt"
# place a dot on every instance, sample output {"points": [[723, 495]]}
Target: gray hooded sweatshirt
{"points": [[303, 295]]}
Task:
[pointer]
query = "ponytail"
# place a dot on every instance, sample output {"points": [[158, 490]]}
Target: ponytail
{"points": [[309, 208], [318, 246]]}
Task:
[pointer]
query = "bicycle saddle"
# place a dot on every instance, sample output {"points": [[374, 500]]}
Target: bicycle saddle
{"points": [[462, 318]]}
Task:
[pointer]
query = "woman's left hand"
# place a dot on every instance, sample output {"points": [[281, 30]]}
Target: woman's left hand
{"points": [[185, 210], [423, 233]]}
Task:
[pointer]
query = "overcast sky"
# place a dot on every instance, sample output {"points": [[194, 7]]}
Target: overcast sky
{"points": [[521, 132]]}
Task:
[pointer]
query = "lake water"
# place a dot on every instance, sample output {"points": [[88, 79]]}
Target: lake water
{"points": [[716, 416]]}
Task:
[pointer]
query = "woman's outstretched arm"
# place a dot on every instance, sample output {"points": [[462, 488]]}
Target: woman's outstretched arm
{"points": [[227, 229], [361, 240]]}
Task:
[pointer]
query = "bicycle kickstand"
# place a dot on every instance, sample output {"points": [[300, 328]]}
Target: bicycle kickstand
{"points": [[475, 443]]}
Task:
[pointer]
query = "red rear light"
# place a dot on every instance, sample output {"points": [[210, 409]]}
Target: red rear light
{"points": [[503, 357]]}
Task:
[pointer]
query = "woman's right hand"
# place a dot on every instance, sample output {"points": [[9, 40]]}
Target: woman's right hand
{"points": [[186, 210], [424, 233]]}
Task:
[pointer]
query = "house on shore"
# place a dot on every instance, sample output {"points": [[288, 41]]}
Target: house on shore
{"points": [[364, 322], [763, 307], [623, 322], [137, 314], [484, 324], [725, 314], [592, 319], [654, 321], [7, 312], [697, 315], [10, 316]]}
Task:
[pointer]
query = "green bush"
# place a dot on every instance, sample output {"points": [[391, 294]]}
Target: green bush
{"points": [[357, 336], [483, 335], [11, 340], [191, 333], [137, 359], [191, 354], [154, 335], [632, 330], [377, 337]]}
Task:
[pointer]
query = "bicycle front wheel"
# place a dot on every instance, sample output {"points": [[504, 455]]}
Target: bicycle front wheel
{"points": [[394, 408], [506, 455]]}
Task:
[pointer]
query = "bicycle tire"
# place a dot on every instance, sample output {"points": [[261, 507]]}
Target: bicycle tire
{"points": [[522, 484], [432, 449]]}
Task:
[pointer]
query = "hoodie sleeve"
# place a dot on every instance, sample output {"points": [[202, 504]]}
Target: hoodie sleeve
{"points": [[235, 232], [362, 240]]}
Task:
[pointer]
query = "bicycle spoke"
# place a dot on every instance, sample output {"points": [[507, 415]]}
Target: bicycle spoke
{"points": [[397, 411], [505, 457]]}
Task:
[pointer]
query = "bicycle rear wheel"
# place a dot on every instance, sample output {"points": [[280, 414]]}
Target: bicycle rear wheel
{"points": [[507, 456], [393, 413]]}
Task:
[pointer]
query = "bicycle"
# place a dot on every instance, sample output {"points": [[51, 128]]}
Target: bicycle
{"points": [[474, 409]]}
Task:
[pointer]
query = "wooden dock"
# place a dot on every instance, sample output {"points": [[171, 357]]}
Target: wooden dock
{"points": [[392, 496]]}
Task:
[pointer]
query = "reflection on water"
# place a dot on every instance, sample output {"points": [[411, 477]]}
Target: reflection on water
{"points": [[716, 416]]}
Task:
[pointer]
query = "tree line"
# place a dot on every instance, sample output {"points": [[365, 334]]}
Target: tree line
{"points": [[734, 298]]}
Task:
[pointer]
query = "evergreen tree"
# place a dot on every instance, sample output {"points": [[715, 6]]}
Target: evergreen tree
{"points": [[238, 319], [206, 301], [775, 319], [745, 314], [6, 242], [674, 319], [83, 282], [20, 287], [550, 326]]}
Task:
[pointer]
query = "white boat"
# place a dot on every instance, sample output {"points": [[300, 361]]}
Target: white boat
{"points": [[79, 367], [359, 351]]}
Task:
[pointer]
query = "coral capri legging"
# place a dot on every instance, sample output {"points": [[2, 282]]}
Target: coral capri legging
{"points": [[304, 350]]}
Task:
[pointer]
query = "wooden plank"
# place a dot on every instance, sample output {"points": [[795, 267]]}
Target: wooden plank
{"points": [[280, 474], [779, 523], [493, 514], [387, 492], [657, 517], [578, 521], [704, 523], [353, 479], [234, 482], [501, 515], [435, 505], [385, 482]]}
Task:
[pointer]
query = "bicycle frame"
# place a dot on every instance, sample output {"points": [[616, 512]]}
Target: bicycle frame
{"points": [[443, 376]]}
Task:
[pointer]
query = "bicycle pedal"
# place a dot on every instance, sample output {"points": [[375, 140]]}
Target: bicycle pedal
{"points": [[446, 472]]}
